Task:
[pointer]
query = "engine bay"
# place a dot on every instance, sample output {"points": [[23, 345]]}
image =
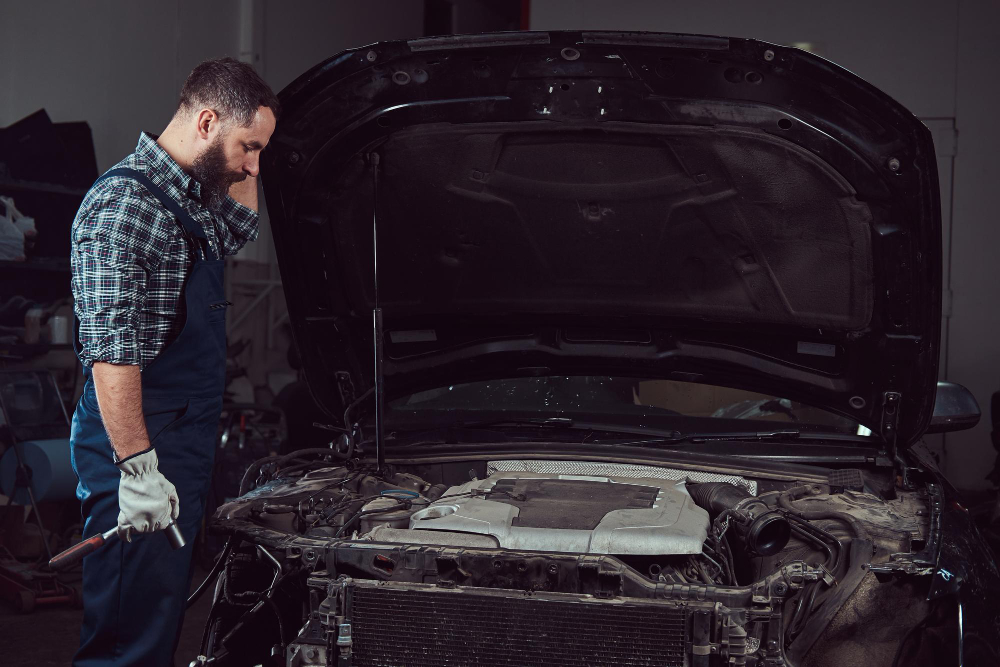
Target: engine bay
{"points": [[739, 570]]}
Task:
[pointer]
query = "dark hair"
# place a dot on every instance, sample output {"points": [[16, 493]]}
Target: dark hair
{"points": [[230, 88]]}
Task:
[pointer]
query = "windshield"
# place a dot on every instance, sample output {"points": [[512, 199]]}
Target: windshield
{"points": [[600, 399]]}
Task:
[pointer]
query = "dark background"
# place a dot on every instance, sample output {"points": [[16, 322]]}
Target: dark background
{"points": [[103, 72]]}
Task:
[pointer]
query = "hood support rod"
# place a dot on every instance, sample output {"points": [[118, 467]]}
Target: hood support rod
{"points": [[377, 325]]}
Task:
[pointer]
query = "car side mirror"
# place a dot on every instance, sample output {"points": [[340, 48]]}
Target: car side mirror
{"points": [[955, 409]]}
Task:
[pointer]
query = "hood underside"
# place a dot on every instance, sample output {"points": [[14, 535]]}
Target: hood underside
{"points": [[696, 208]]}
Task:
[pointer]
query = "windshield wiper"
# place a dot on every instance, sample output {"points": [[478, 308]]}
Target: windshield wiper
{"points": [[519, 421], [500, 425], [663, 438], [769, 436]]}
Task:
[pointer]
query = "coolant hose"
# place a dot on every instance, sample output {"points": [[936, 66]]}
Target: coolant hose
{"points": [[764, 531]]}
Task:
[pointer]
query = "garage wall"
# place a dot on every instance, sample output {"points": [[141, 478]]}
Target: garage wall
{"points": [[974, 327], [119, 64], [937, 59], [300, 33]]}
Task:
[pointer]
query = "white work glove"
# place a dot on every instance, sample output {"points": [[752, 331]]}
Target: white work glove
{"points": [[147, 500]]}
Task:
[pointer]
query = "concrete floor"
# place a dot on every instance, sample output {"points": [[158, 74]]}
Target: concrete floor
{"points": [[48, 636]]}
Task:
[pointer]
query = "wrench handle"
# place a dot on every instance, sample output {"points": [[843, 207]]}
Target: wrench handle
{"points": [[78, 551]]}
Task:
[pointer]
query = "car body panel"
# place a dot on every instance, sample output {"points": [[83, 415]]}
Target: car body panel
{"points": [[544, 199]]}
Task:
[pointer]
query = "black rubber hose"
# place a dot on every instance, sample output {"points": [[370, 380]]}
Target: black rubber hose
{"points": [[251, 471], [831, 559], [717, 497], [806, 609], [362, 512], [730, 561], [311, 451], [821, 534], [785, 501], [281, 623], [802, 610], [213, 573]]}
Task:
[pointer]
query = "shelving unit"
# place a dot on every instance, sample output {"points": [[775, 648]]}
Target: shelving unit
{"points": [[10, 186]]}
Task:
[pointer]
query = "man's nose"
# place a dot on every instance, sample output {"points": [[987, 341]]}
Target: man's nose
{"points": [[252, 167]]}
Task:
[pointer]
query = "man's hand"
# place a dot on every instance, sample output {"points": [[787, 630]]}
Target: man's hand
{"points": [[245, 192], [146, 499]]}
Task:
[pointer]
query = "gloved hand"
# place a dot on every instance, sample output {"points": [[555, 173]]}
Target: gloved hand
{"points": [[147, 500]]}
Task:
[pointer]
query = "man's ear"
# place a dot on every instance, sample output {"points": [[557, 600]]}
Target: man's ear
{"points": [[207, 121]]}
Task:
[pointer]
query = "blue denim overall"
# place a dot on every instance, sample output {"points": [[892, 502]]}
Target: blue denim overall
{"points": [[134, 593]]}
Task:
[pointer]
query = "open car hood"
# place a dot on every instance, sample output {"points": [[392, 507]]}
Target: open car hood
{"points": [[668, 206]]}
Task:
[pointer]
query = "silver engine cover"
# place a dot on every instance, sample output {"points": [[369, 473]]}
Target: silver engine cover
{"points": [[570, 514]]}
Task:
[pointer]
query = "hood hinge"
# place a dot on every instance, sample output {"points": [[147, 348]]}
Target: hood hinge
{"points": [[891, 401], [890, 419]]}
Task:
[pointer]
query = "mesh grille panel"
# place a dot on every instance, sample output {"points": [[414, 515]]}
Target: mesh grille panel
{"points": [[414, 628], [615, 470]]}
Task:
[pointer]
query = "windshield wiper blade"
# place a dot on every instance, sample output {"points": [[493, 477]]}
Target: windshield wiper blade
{"points": [[515, 421], [500, 425], [784, 434], [675, 437], [742, 436]]}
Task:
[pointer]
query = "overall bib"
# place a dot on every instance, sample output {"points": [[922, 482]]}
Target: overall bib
{"points": [[134, 593]]}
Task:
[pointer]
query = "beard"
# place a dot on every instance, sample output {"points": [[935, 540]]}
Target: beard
{"points": [[211, 171]]}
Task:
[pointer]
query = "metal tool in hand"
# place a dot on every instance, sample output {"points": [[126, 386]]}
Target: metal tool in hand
{"points": [[76, 552]]}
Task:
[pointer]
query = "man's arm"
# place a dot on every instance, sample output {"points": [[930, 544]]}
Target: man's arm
{"points": [[116, 242], [245, 192], [238, 216], [146, 499], [119, 397]]}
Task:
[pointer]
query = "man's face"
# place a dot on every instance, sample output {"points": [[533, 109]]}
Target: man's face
{"points": [[232, 154]]}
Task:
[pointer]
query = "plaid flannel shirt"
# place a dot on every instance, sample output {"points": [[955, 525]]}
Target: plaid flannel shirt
{"points": [[130, 260]]}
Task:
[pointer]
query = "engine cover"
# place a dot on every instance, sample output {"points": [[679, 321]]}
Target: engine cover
{"points": [[572, 514]]}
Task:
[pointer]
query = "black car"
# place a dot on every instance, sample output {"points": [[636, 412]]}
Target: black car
{"points": [[624, 341]]}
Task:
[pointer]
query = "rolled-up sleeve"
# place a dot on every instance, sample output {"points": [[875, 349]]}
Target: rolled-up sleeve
{"points": [[114, 249]]}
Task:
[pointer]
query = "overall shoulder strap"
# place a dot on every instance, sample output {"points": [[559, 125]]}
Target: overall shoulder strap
{"points": [[191, 227]]}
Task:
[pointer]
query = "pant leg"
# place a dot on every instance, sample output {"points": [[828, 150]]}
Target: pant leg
{"points": [[186, 453], [97, 489], [134, 593]]}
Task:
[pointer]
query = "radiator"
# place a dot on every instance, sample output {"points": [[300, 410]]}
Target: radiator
{"points": [[414, 625]]}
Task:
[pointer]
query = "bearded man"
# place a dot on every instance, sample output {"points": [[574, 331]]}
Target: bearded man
{"points": [[149, 243]]}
